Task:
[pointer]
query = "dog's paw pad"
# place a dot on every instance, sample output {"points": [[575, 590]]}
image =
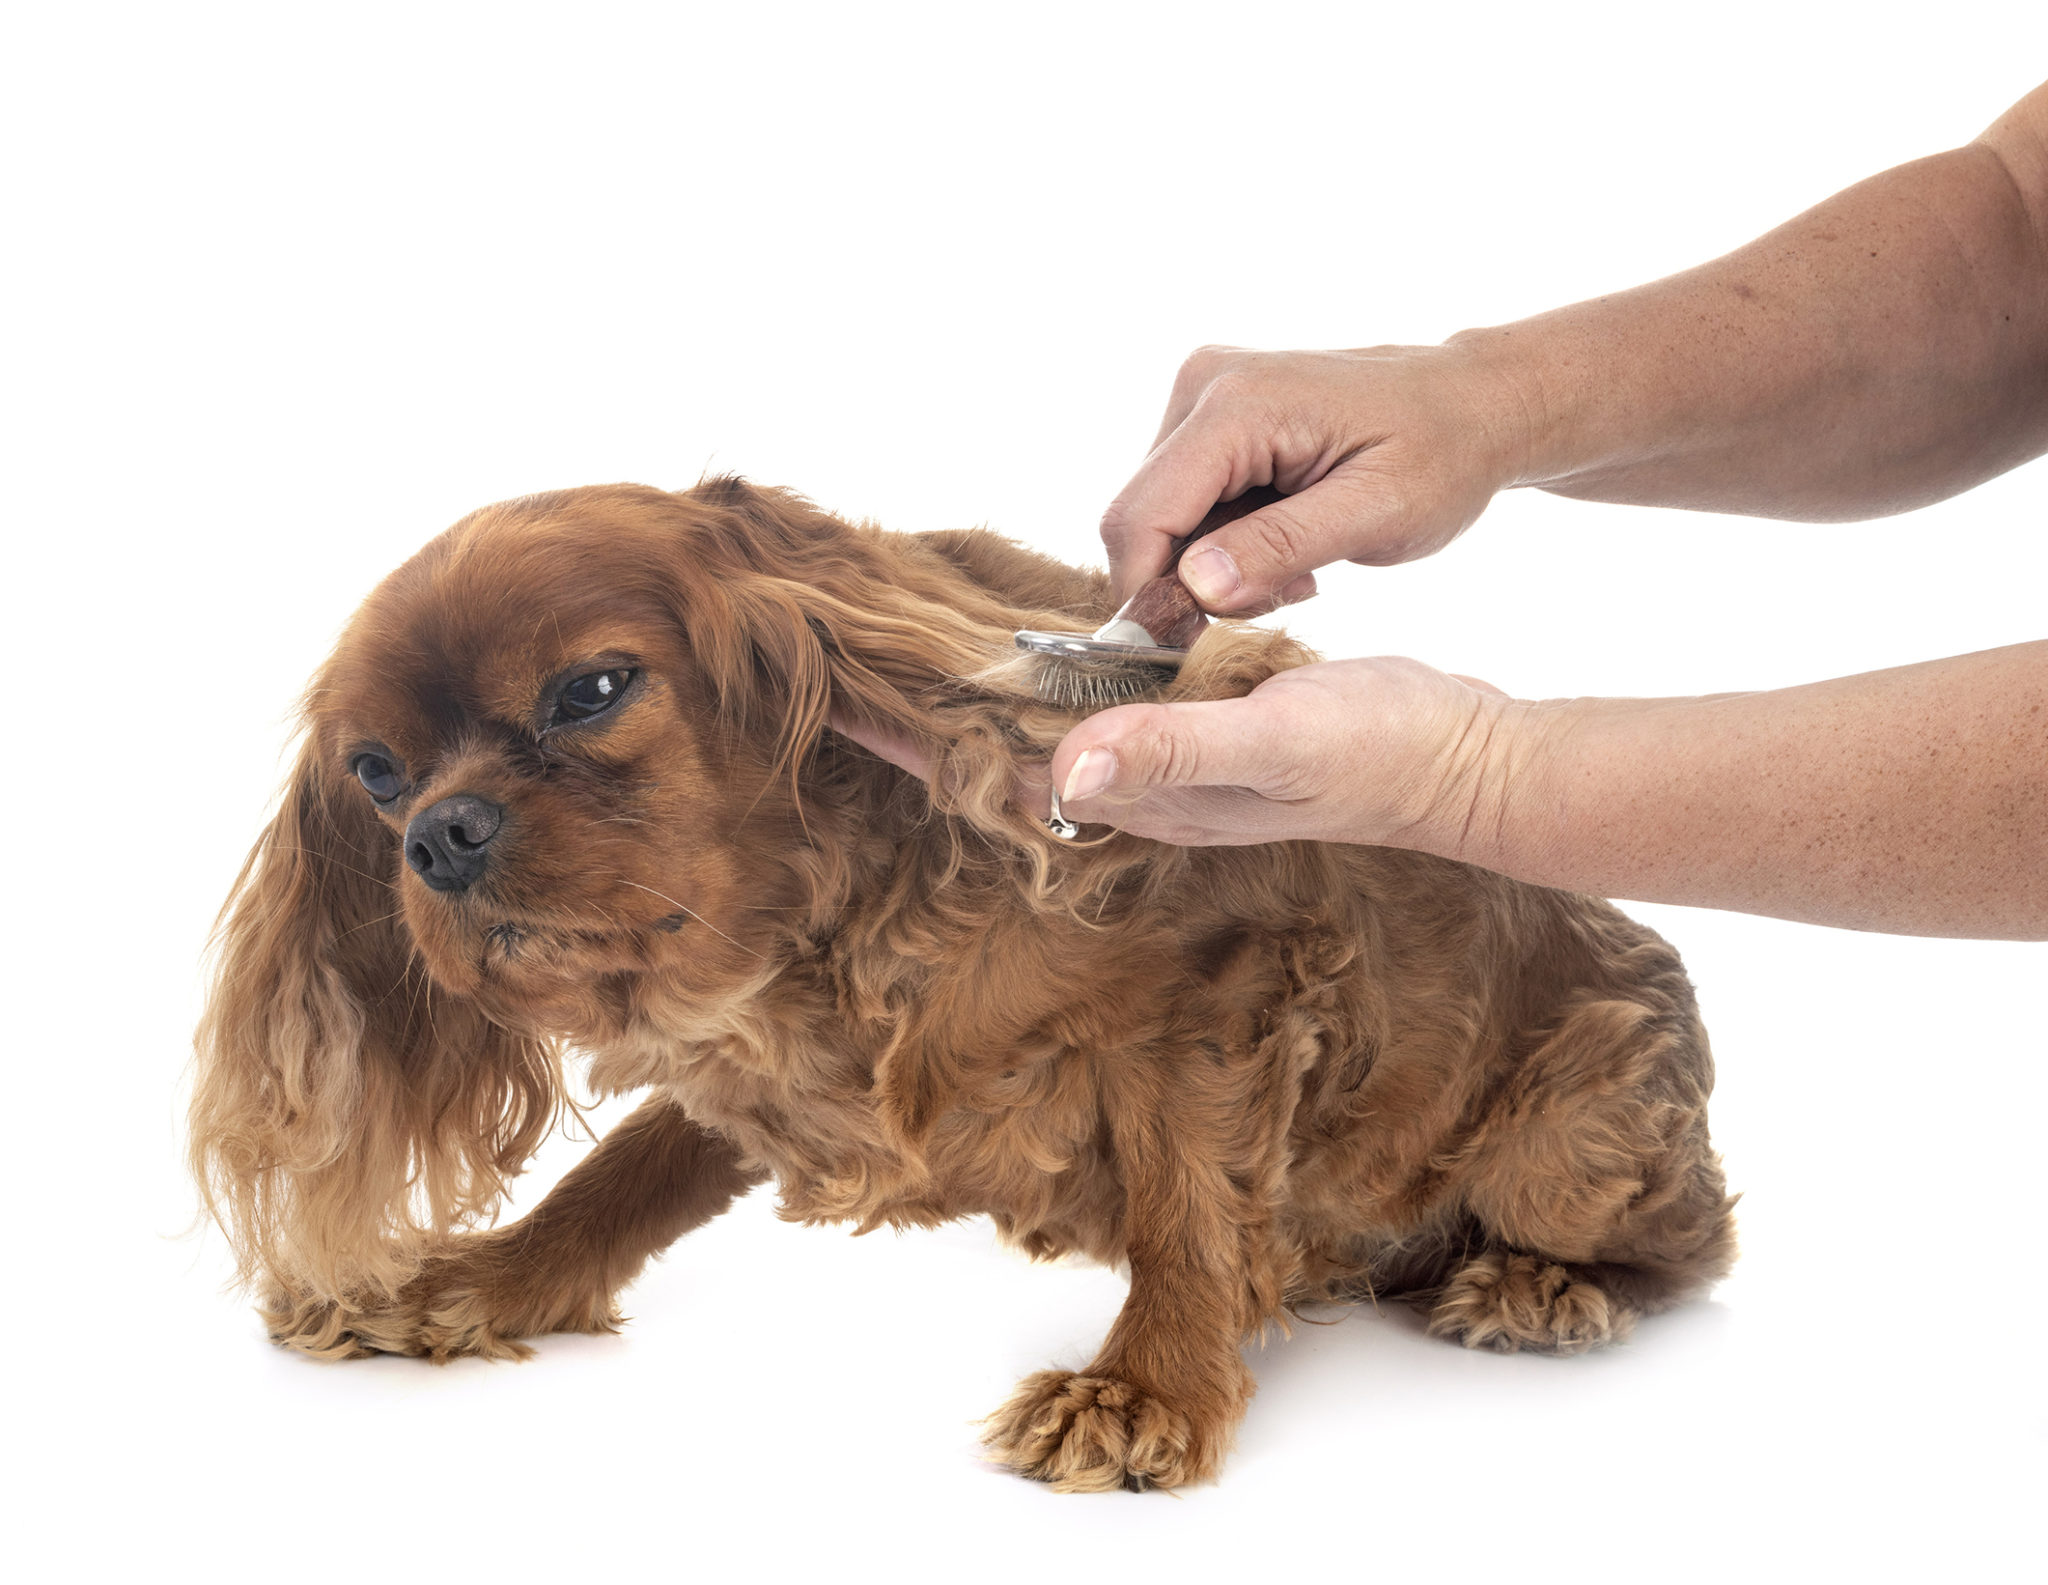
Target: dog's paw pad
{"points": [[1509, 1302], [1092, 1433]]}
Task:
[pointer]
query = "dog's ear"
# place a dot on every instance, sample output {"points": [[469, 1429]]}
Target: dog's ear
{"points": [[796, 615], [346, 1111]]}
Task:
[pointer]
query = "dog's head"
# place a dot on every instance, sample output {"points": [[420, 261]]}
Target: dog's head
{"points": [[579, 731], [554, 732]]}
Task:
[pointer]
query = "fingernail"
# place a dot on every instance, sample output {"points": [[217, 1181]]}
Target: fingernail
{"points": [[1092, 772], [1210, 572], [1300, 589]]}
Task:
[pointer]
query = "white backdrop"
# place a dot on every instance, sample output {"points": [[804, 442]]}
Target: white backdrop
{"points": [[289, 289]]}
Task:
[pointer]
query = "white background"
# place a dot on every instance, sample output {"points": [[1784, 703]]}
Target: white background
{"points": [[290, 288]]}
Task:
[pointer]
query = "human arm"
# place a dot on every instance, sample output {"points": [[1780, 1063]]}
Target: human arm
{"points": [[1885, 349], [1808, 374], [1913, 800]]}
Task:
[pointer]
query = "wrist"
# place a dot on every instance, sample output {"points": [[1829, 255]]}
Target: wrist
{"points": [[1534, 373], [1500, 804], [1500, 367]]}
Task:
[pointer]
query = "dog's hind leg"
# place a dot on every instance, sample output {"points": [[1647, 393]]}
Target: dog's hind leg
{"points": [[558, 1269], [1597, 1192]]}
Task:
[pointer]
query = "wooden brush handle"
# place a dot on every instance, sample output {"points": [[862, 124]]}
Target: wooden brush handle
{"points": [[1163, 607]]}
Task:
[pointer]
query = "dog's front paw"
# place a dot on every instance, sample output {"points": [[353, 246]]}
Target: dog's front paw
{"points": [[1094, 1433], [469, 1300], [429, 1317]]}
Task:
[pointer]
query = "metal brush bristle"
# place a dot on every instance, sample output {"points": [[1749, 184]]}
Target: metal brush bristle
{"points": [[1083, 672], [1097, 684], [1140, 648]]}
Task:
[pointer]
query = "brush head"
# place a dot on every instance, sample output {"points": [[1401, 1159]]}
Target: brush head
{"points": [[1079, 672], [1138, 650]]}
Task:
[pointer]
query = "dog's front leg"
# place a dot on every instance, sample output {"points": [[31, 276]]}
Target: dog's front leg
{"points": [[650, 1180], [1160, 1402]]}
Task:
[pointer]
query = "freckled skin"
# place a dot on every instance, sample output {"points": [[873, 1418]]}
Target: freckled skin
{"points": [[1912, 800], [1887, 349]]}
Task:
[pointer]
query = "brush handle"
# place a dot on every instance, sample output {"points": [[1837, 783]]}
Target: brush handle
{"points": [[1164, 607]]}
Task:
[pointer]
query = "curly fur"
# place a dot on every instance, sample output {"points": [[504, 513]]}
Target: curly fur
{"points": [[1254, 1076]]}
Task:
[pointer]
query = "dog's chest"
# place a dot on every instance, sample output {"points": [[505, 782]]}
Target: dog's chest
{"points": [[1014, 1134]]}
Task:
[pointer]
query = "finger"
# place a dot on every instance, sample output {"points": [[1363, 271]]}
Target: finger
{"points": [[1260, 561], [1122, 752], [1197, 373], [1172, 491], [895, 747]]}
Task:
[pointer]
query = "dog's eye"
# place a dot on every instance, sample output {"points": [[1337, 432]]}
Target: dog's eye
{"points": [[384, 779], [592, 695]]}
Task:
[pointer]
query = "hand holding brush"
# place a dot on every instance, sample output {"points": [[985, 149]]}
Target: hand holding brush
{"points": [[1143, 645]]}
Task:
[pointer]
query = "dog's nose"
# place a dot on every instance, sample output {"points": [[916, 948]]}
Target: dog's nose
{"points": [[448, 843]]}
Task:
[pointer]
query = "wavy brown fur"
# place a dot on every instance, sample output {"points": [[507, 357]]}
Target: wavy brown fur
{"points": [[1256, 1076]]}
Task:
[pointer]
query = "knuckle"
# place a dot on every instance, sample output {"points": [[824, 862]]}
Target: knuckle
{"points": [[1387, 520], [1232, 386], [1280, 538], [1293, 778], [1293, 771], [1193, 375], [1168, 756], [1117, 519], [1217, 374]]}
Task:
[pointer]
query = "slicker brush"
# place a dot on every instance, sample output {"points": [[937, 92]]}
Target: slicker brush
{"points": [[1143, 645]]}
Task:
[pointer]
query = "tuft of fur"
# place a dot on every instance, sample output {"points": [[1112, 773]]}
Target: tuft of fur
{"points": [[1255, 1077]]}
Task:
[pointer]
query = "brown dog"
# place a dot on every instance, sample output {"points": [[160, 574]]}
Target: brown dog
{"points": [[566, 782]]}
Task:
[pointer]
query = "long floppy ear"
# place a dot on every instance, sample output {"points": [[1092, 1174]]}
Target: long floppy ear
{"points": [[797, 615], [346, 1111]]}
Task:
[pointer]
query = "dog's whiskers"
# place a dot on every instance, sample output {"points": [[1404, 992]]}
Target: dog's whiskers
{"points": [[352, 929], [707, 924], [318, 856]]}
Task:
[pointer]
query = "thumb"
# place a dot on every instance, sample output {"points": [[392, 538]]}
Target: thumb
{"points": [[1133, 748], [1266, 559]]}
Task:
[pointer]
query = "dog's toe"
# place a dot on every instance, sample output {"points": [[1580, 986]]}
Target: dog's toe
{"points": [[464, 1302], [1093, 1433], [1509, 1302]]}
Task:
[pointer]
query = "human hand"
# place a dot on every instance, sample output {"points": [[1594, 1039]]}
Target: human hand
{"points": [[1383, 454], [1381, 751]]}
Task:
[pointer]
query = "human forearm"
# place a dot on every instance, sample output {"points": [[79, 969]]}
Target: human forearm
{"points": [[1885, 349], [1912, 800]]}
